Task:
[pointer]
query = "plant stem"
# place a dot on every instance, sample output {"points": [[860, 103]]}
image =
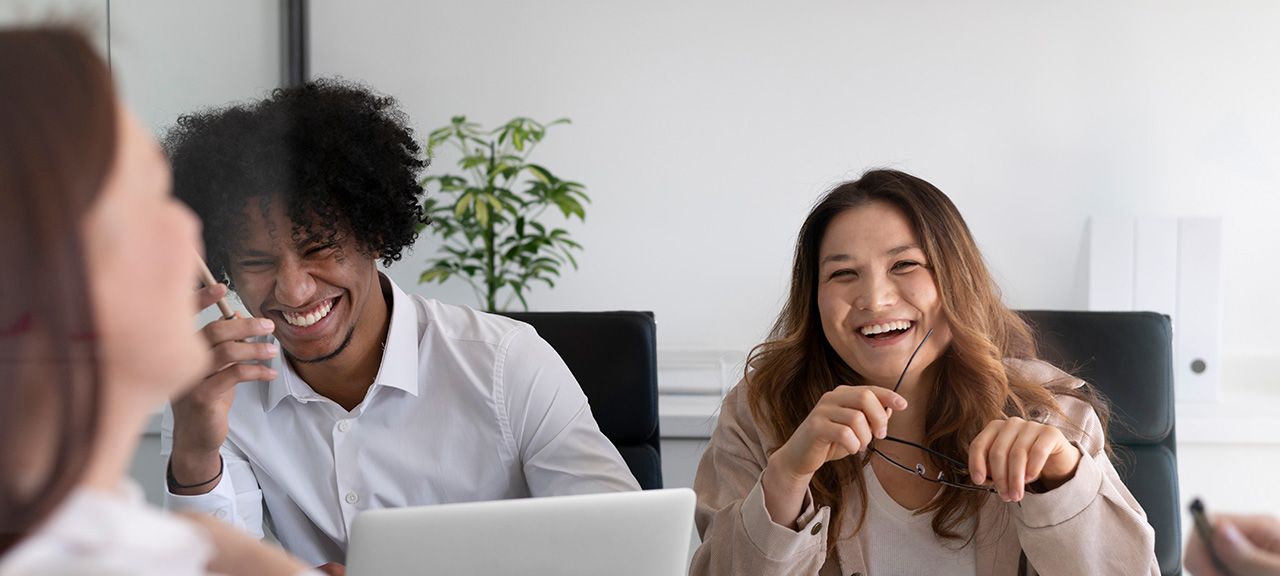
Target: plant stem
{"points": [[490, 278]]}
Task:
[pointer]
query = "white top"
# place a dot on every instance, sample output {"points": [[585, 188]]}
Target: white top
{"points": [[110, 534], [903, 542], [466, 406]]}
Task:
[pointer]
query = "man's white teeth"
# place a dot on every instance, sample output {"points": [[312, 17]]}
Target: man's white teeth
{"points": [[304, 320], [874, 329]]}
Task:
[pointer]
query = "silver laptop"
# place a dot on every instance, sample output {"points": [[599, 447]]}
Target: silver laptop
{"points": [[620, 534]]}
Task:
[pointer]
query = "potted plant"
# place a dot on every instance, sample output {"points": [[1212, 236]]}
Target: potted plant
{"points": [[489, 214]]}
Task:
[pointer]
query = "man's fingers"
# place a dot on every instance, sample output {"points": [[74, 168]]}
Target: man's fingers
{"points": [[1197, 557], [209, 295], [220, 331], [1239, 553], [1261, 530], [235, 351], [228, 377]]}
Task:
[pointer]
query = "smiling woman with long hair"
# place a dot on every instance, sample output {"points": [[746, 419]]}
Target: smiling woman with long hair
{"points": [[98, 263], [898, 420]]}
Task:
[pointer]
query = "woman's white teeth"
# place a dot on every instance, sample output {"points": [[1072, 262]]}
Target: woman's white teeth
{"points": [[304, 320], [874, 329]]}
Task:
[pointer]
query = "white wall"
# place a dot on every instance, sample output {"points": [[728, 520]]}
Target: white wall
{"points": [[704, 131], [172, 58], [89, 15]]}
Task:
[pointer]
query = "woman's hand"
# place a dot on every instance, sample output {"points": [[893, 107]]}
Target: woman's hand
{"points": [[1246, 545], [843, 422], [236, 553], [1015, 452]]}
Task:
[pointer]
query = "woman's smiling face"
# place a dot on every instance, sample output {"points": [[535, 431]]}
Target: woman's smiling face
{"points": [[876, 293]]}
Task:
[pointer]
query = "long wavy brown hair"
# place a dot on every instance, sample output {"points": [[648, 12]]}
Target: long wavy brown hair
{"points": [[57, 143], [788, 374]]}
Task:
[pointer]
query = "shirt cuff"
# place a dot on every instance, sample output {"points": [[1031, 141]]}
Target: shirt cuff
{"points": [[777, 542], [1066, 501], [219, 502]]}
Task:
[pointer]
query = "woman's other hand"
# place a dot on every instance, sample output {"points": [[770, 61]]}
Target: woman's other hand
{"points": [[843, 422], [237, 553], [1014, 452]]}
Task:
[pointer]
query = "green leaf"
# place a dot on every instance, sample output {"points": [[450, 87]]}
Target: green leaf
{"points": [[473, 160], [499, 191], [541, 173], [548, 281], [438, 275], [570, 207], [519, 292], [464, 203]]}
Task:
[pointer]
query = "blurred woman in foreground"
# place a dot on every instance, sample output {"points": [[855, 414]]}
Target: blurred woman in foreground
{"points": [[96, 302]]}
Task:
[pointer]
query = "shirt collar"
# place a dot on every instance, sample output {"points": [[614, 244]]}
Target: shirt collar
{"points": [[399, 368]]}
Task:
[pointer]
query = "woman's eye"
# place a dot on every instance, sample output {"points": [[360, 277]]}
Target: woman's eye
{"points": [[253, 263], [905, 265], [841, 273]]}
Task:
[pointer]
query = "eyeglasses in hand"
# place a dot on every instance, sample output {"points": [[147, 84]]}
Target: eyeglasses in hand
{"points": [[958, 471]]}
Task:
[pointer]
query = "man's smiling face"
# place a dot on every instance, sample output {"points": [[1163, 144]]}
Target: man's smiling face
{"points": [[317, 288]]}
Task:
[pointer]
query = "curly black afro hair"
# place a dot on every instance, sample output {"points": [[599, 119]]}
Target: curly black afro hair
{"points": [[339, 157]]}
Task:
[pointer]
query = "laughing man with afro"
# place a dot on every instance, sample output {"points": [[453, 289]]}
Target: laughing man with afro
{"points": [[341, 392]]}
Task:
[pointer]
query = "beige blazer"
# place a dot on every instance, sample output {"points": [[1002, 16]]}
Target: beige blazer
{"points": [[1090, 525]]}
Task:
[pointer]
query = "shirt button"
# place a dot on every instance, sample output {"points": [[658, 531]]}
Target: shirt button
{"points": [[344, 425], [220, 514], [352, 498], [817, 527]]}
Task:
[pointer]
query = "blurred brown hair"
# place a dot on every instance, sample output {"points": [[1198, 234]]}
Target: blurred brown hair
{"points": [[789, 373], [57, 145]]}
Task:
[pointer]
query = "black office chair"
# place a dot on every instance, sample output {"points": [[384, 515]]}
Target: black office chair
{"points": [[1128, 357], [614, 357]]}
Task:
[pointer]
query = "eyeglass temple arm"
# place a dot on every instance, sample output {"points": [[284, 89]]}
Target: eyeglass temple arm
{"points": [[913, 357]]}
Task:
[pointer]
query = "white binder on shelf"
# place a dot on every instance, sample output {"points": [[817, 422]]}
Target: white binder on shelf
{"points": [[1172, 266]]}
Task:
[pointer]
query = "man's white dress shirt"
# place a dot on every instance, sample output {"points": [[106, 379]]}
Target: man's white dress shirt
{"points": [[466, 406]]}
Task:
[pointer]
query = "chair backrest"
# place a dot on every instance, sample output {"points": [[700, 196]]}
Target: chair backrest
{"points": [[1128, 357], [614, 357]]}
